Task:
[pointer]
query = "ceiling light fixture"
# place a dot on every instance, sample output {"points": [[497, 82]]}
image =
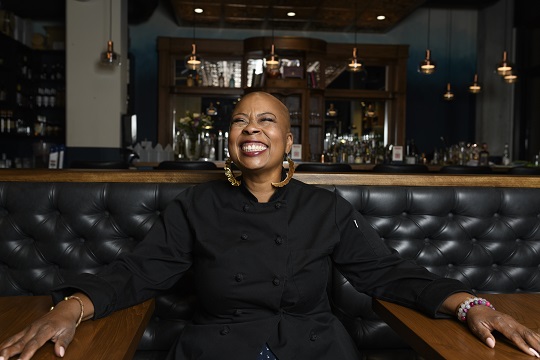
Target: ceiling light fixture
{"points": [[291, 14], [449, 95], [110, 57], [505, 68], [272, 62], [193, 61], [355, 64], [510, 78], [475, 87], [427, 66], [381, 17]]}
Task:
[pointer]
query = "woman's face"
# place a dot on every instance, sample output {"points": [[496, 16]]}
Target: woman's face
{"points": [[259, 134]]}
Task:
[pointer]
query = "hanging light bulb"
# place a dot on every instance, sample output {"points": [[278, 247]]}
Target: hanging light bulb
{"points": [[272, 61], [193, 61], [355, 64], [511, 77], [475, 87], [504, 67], [427, 66], [110, 57], [448, 95]]}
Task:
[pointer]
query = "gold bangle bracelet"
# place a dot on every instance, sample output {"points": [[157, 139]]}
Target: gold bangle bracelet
{"points": [[80, 303]]}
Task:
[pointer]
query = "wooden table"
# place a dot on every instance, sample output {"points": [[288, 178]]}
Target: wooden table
{"points": [[450, 339], [113, 337]]}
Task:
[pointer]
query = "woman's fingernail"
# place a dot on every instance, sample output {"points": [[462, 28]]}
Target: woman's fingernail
{"points": [[490, 342], [534, 352], [62, 351]]}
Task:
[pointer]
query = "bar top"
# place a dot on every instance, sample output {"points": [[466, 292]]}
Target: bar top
{"points": [[199, 176]]}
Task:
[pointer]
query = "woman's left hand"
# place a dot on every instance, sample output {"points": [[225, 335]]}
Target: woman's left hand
{"points": [[483, 320]]}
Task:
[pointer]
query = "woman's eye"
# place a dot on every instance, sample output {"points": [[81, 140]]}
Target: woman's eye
{"points": [[238, 121]]}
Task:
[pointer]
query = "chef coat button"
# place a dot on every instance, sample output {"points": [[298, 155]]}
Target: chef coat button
{"points": [[313, 336], [238, 277], [278, 205], [246, 207], [237, 312], [225, 330], [276, 282], [279, 240], [244, 236]]}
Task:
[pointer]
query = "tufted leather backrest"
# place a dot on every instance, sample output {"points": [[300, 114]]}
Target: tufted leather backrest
{"points": [[485, 236], [488, 238]]}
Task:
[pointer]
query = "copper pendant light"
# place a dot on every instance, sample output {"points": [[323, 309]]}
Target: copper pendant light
{"points": [[449, 95], [193, 61], [475, 87], [427, 66], [110, 57], [355, 64], [271, 61], [505, 68]]}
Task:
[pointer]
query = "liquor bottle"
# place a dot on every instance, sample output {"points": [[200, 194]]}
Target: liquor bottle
{"points": [[190, 81], [2, 122], [231, 81], [483, 158], [221, 80], [9, 122], [411, 153], [506, 155]]}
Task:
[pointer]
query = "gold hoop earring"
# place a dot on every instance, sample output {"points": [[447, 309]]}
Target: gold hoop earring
{"points": [[289, 175], [229, 174]]}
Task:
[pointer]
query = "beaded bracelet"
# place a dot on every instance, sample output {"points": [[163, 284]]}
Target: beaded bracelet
{"points": [[464, 308], [80, 303]]}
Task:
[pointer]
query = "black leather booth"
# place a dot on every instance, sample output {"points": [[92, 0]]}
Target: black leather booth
{"points": [[486, 236]]}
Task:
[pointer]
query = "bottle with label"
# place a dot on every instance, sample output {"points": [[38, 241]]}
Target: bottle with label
{"points": [[411, 153], [2, 122], [221, 80], [506, 155], [10, 127], [483, 158], [190, 81]]}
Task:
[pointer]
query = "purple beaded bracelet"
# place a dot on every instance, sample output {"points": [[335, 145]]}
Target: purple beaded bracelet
{"points": [[463, 309]]}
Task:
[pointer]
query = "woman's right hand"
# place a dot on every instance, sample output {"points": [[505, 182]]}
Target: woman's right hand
{"points": [[58, 326]]}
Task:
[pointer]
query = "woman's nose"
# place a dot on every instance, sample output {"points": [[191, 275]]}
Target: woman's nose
{"points": [[251, 128]]}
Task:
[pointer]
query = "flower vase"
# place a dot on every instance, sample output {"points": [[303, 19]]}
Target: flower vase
{"points": [[192, 146]]}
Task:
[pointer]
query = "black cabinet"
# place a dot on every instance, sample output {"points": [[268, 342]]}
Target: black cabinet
{"points": [[32, 102]]}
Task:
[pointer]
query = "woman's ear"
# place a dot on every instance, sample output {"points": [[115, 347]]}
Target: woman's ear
{"points": [[289, 143]]}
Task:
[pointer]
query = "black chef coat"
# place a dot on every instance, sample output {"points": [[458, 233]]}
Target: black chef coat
{"points": [[261, 271]]}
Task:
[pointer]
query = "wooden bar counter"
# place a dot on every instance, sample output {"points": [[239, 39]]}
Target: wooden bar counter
{"points": [[198, 176]]}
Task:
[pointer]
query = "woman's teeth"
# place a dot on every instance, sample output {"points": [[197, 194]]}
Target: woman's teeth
{"points": [[253, 147]]}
